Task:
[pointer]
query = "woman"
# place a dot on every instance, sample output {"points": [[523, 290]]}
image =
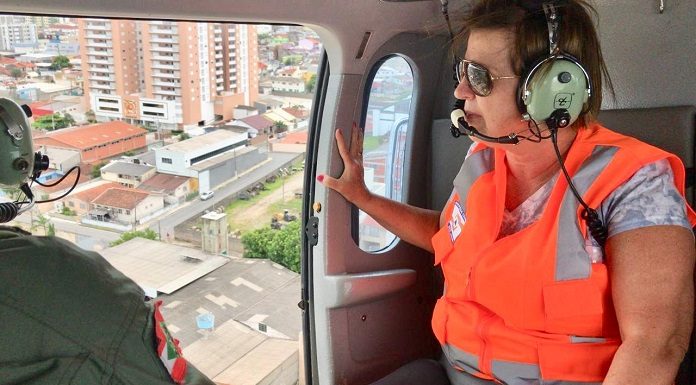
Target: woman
{"points": [[530, 295]]}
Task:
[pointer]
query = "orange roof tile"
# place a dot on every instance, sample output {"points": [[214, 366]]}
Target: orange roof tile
{"points": [[120, 197], [93, 193], [299, 137], [163, 182], [300, 113], [7, 60], [84, 137]]}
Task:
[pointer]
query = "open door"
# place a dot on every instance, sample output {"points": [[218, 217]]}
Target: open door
{"points": [[367, 296]]}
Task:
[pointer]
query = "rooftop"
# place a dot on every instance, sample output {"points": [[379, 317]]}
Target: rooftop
{"points": [[121, 197], [127, 168], [159, 266], [296, 137], [204, 140], [258, 122], [163, 183], [84, 137], [222, 158], [299, 113], [213, 215], [91, 194]]}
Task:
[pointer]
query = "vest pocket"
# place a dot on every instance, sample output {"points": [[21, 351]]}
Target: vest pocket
{"points": [[573, 308], [580, 362]]}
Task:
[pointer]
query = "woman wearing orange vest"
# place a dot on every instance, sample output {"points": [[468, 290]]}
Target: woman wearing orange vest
{"points": [[538, 290]]}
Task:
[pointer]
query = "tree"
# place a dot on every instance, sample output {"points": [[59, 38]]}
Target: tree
{"points": [[96, 169], [90, 116], [311, 83], [60, 62], [184, 136], [69, 120], [44, 222], [128, 235], [280, 246], [17, 73], [280, 126], [55, 121]]}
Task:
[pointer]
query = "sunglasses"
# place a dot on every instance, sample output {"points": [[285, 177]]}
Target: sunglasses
{"points": [[479, 77]]}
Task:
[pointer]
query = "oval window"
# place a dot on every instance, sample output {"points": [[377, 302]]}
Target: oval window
{"points": [[386, 128]]}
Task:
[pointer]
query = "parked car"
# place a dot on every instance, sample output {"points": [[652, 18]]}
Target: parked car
{"points": [[205, 195]]}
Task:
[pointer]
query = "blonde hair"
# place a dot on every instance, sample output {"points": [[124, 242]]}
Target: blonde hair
{"points": [[577, 37]]}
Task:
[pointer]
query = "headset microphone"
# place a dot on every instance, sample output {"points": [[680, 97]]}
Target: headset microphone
{"points": [[457, 116]]}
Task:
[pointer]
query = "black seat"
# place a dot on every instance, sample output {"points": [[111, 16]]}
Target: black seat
{"points": [[671, 129]]}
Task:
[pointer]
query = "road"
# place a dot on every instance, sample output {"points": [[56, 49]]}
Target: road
{"points": [[166, 224], [88, 238], [96, 239]]}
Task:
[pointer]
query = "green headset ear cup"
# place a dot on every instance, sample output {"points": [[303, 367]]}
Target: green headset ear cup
{"points": [[559, 83]]}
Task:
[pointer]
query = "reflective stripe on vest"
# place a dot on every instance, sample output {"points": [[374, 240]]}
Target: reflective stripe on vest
{"points": [[477, 164], [572, 260], [532, 307], [509, 373]]}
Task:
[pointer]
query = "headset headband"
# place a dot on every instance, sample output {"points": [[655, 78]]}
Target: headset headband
{"points": [[552, 21]]}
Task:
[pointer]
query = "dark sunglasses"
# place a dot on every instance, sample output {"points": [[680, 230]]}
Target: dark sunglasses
{"points": [[479, 77]]}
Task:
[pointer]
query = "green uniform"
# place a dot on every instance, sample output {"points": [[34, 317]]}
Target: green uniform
{"points": [[68, 317]]}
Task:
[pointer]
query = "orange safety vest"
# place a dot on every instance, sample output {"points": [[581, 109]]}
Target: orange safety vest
{"points": [[532, 307]]}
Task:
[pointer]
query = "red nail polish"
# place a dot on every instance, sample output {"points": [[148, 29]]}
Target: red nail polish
{"points": [[320, 178]]}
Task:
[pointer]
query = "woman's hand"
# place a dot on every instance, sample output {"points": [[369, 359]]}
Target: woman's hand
{"points": [[351, 184]]}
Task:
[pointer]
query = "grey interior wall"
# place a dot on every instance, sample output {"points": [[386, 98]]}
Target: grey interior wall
{"points": [[650, 55]]}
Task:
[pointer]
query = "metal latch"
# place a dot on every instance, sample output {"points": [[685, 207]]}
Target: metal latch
{"points": [[312, 231]]}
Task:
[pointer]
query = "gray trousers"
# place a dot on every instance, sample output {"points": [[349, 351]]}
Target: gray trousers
{"points": [[430, 372]]}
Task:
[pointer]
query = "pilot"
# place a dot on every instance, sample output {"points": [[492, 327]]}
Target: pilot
{"points": [[566, 248], [68, 316]]}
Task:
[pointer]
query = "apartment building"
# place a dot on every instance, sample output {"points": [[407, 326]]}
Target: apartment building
{"points": [[12, 35], [170, 75]]}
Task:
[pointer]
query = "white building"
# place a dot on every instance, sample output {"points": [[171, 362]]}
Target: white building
{"points": [[12, 34], [288, 84], [177, 158], [126, 206]]}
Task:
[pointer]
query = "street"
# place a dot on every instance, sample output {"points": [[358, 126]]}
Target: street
{"points": [[166, 224], [91, 238]]}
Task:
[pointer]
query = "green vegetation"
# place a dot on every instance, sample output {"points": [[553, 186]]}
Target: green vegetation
{"points": [[291, 60], [17, 73], [280, 126], [41, 221], [60, 62], [311, 83], [184, 136], [54, 122], [68, 211], [128, 235], [96, 169], [280, 246], [90, 116], [370, 143]]}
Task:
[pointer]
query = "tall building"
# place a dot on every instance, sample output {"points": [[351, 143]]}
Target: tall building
{"points": [[172, 75], [16, 34]]}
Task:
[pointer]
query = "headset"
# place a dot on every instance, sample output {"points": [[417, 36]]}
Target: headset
{"points": [[556, 87], [554, 90], [20, 165]]}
